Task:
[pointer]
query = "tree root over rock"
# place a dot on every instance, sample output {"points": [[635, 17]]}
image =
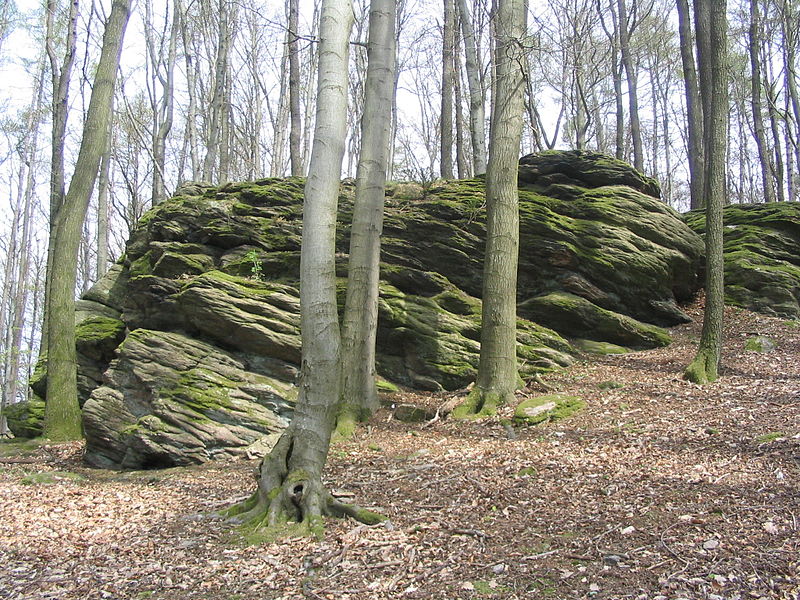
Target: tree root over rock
{"points": [[291, 498]]}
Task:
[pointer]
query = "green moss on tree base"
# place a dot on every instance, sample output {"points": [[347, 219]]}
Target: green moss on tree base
{"points": [[703, 369], [481, 403]]}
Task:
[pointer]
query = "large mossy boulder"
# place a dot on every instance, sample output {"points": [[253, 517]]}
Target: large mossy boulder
{"points": [[25, 419], [762, 262], [202, 313]]}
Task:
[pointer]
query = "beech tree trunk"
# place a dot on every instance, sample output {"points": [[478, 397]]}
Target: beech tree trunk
{"points": [[61, 76], [694, 108], [217, 109], [359, 397], [16, 289], [290, 485], [477, 115], [631, 76], [767, 167], [711, 24], [295, 116], [190, 133], [498, 377], [62, 414], [163, 71], [448, 76]]}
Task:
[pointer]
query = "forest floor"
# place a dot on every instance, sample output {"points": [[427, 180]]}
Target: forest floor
{"points": [[658, 489]]}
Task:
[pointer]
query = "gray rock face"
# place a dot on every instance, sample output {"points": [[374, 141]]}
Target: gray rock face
{"points": [[191, 345], [172, 400]]}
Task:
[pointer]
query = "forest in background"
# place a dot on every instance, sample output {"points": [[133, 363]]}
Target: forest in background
{"points": [[223, 91]]}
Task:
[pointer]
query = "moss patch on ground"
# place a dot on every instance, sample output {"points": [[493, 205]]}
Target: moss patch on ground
{"points": [[549, 408], [51, 478]]}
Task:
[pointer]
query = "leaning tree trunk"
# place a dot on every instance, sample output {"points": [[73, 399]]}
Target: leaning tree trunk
{"points": [[498, 377], [711, 23], [290, 478], [359, 397], [217, 107], [62, 414]]}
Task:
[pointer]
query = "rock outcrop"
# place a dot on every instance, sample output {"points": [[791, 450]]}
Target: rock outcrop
{"points": [[762, 262], [189, 347]]}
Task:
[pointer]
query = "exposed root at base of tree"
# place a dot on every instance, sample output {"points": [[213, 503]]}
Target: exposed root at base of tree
{"points": [[481, 403], [292, 500], [703, 368]]}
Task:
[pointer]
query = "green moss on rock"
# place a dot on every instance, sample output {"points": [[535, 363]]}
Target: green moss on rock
{"points": [[578, 317], [600, 348], [762, 266], [759, 343], [25, 419], [552, 407]]}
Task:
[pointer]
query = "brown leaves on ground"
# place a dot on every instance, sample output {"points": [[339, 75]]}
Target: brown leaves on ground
{"points": [[659, 489]]}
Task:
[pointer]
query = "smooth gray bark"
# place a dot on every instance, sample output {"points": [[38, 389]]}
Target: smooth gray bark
{"points": [[290, 478], [217, 108], [632, 78], [162, 68], [767, 168], [295, 116], [477, 114], [359, 397]]}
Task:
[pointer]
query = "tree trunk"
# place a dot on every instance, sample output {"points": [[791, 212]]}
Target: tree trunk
{"points": [[477, 115], [62, 413], [754, 44], [462, 163], [61, 77], [191, 92], [694, 109], [498, 377], [103, 185], [290, 486], [214, 139], [790, 16], [711, 26], [163, 69], [631, 76], [295, 116], [359, 397], [16, 290], [774, 121], [448, 76]]}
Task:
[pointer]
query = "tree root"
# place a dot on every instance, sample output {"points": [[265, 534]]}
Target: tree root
{"points": [[703, 368], [481, 403], [291, 501]]}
